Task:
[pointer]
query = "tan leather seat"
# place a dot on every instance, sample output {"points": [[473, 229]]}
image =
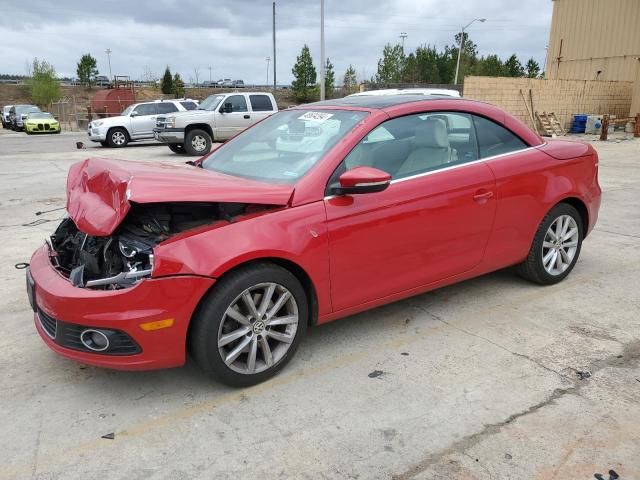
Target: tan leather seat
{"points": [[431, 148]]}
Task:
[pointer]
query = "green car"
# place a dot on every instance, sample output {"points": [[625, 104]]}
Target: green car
{"points": [[41, 122]]}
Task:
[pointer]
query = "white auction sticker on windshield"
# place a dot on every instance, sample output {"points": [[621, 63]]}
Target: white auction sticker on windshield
{"points": [[316, 116]]}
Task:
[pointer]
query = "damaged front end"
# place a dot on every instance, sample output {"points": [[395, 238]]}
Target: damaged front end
{"points": [[123, 258]]}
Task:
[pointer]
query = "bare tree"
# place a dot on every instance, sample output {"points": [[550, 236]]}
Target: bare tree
{"points": [[196, 73]]}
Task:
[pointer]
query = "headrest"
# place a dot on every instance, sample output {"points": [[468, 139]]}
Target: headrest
{"points": [[432, 133]]}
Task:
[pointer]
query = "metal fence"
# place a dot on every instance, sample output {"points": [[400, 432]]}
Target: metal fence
{"points": [[71, 114]]}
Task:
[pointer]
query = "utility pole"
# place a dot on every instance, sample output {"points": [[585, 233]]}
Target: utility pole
{"points": [[209, 74], [108, 52], [462, 44], [268, 59], [322, 60], [274, 47], [403, 35]]}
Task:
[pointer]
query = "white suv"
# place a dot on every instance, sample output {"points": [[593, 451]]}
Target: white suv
{"points": [[136, 122], [219, 117]]}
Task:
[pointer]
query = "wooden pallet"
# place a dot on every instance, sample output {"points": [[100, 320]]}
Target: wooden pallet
{"points": [[550, 124]]}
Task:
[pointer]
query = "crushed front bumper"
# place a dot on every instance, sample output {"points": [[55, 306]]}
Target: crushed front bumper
{"points": [[54, 300]]}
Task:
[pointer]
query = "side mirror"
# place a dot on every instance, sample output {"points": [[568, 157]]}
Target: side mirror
{"points": [[360, 180], [227, 108], [133, 114]]}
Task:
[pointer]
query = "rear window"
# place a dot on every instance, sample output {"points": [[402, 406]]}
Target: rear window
{"points": [[189, 105], [494, 139], [261, 103], [167, 108]]}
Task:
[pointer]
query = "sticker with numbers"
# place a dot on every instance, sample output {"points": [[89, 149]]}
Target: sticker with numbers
{"points": [[315, 116]]}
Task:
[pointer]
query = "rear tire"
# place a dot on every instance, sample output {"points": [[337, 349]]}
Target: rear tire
{"points": [[197, 142], [177, 148], [247, 348], [117, 137], [556, 246]]}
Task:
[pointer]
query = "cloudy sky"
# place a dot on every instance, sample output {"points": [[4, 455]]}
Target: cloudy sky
{"points": [[233, 37]]}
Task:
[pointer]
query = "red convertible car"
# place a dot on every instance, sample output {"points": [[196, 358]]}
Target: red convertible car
{"points": [[316, 213]]}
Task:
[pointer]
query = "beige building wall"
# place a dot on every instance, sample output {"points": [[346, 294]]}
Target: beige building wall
{"points": [[588, 36], [563, 97]]}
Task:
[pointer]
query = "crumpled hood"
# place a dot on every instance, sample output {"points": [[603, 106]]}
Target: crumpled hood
{"points": [[99, 190]]}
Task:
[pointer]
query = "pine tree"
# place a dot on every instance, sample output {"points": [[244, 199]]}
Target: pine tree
{"points": [[532, 68], [305, 75], [349, 81], [166, 84], [178, 86], [391, 64], [329, 79], [513, 67], [87, 70]]}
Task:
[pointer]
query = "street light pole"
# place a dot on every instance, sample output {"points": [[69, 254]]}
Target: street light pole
{"points": [[462, 44], [209, 74], [274, 48], [322, 60], [108, 52], [268, 59], [403, 35]]}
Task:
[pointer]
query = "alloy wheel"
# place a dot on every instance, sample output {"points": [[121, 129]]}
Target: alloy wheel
{"points": [[118, 138], [258, 328], [199, 143], [560, 245]]}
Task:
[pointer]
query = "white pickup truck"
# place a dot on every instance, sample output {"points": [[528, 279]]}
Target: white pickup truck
{"points": [[219, 117]]}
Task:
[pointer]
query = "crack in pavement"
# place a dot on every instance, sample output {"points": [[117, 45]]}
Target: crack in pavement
{"points": [[467, 332], [629, 358]]}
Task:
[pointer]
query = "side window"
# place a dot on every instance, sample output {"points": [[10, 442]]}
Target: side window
{"points": [[167, 107], [260, 103], [494, 139], [238, 103], [189, 105], [146, 109], [415, 144]]}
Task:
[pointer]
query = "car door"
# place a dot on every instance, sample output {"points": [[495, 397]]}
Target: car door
{"points": [[431, 223], [230, 123], [143, 120], [261, 106]]}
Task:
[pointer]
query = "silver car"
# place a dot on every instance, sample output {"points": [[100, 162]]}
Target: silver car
{"points": [[136, 122], [5, 115]]}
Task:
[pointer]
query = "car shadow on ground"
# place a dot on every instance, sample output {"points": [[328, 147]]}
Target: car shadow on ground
{"points": [[380, 322]]}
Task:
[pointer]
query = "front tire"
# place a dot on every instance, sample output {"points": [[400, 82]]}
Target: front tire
{"points": [[249, 326], [197, 142], [556, 246], [177, 148], [117, 137]]}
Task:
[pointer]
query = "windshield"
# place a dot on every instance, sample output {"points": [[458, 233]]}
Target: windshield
{"points": [[283, 148], [127, 110], [211, 102], [40, 115], [26, 109]]}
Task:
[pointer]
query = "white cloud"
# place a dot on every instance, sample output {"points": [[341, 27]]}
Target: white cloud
{"points": [[234, 37]]}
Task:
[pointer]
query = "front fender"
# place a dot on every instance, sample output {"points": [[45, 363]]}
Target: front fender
{"points": [[297, 234]]}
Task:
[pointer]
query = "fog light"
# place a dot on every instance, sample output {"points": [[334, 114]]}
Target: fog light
{"points": [[94, 340]]}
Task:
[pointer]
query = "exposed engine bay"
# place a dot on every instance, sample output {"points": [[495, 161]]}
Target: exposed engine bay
{"points": [[121, 259]]}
